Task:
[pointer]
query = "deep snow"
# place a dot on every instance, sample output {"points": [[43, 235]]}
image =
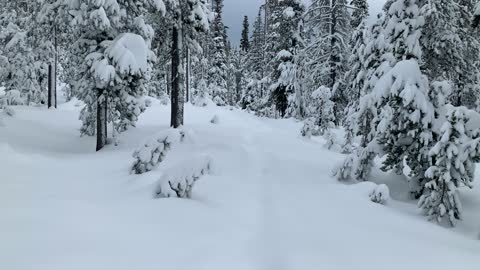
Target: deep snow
{"points": [[269, 203]]}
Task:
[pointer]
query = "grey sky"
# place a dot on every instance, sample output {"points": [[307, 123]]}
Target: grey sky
{"points": [[235, 10]]}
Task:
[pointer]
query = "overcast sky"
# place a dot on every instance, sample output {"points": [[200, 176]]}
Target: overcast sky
{"points": [[235, 10]]}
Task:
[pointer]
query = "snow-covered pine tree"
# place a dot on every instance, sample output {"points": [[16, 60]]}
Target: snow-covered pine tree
{"points": [[453, 165], [254, 67], [238, 65], [21, 71], [159, 84], [395, 118], [360, 12], [218, 65], [327, 50], [322, 109], [355, 77], [450, 52], [187, 19], [245, 41], [284, 41], [113, 45], [52, 26]]}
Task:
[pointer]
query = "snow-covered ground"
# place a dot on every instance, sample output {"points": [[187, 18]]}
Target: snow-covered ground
{"points": [[270, 202]]}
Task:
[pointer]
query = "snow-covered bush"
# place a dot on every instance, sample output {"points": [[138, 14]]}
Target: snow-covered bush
{"points": [[200, 95], [309, 128], [219, 101], [346, 171], [330, 139], [153, 152], [357, 165], [321, 109], [14, 97], [380, 194], [178, 180], [164, 99]]}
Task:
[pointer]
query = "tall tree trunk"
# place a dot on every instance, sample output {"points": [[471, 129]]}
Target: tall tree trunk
{"points": [[52, 75], [177, 77], [51, 102], [187, 81], [101, 119], [55, 67]]}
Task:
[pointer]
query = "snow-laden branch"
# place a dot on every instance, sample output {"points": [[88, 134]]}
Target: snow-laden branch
{"points": [[179, 179], [153, 152]]}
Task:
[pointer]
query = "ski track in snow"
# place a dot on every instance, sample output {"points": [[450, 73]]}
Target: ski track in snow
{"points": [[270, 203]]}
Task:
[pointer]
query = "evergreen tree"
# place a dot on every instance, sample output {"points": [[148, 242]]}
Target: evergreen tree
{"points": [[218, 65], [454, 157], [244, 41], [360, 12], [252, 94], [113, 54], [187, 18], [395, 112], [282, 45], [327, 51], [22, 71], [449, 51]]}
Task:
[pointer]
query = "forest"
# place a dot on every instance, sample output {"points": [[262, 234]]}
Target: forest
{"points": [[141, 133]]}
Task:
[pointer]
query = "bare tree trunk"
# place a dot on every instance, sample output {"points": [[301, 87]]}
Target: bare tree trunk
{"points": [[101, 119], [187, 82], [177, 77], [52, 76], [56, 67], [51, 87]]}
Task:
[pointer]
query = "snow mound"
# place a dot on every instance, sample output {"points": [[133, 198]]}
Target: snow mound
{"points": [[153, 152], [309, 128], [179, 179], [380, 194]]}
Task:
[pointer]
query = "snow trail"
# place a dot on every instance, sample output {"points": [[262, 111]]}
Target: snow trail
{"points": [[269, 204]]}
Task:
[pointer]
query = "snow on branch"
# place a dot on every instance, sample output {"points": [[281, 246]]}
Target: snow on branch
{"points": [[129, 53], [179, 179], [153, 152]]}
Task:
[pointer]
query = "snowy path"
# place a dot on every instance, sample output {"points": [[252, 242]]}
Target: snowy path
{"points": [[270, 204]]}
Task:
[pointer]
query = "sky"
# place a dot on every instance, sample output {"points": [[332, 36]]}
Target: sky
{"points": [[234, 11]]}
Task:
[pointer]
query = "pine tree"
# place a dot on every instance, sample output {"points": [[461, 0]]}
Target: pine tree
{"points": [[244, 41], [360, 12], [113, 54], [450, 52], [282, 45], [22, 69], [468, 91], [188, 18], [453, 166], [327, 50], [254, 67], [395, 112], [218, 65]]}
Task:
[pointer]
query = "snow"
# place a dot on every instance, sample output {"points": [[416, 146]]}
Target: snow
{"points": [[155, 149], [289, 13], [376, 7], [270, 203], [177, 181], [129, 53]]}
